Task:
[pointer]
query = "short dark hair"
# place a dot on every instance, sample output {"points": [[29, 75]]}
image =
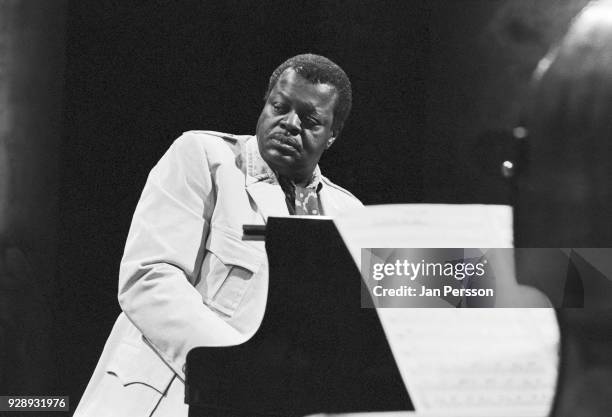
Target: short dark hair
{"points": [[320, 70]]}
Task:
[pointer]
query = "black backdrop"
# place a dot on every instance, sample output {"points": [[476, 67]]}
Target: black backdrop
{"points": [[435, 85]]}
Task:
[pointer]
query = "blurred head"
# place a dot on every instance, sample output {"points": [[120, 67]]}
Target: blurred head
{"points": [[565, 191], [306, 104]]}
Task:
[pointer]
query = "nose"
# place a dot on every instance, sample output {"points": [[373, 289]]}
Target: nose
{"points": [[291, 123]]}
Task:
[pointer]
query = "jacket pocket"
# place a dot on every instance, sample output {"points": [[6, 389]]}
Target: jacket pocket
{"points": [[228, 270], [136, 380]]}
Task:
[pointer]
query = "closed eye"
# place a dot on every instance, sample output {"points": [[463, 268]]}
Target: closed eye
{"points": [[279, 108], [312, 122]]}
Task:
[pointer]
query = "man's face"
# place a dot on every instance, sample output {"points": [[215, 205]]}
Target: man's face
{"points": [[295, 125]]}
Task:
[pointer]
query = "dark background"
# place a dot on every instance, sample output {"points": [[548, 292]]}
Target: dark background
{"points": [[437, 85]]}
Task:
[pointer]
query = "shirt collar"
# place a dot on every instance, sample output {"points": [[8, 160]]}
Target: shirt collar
{"points": [[258, 170]]}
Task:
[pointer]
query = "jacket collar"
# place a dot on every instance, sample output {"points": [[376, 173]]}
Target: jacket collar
{"points": [[257, 170], [262, 184]]}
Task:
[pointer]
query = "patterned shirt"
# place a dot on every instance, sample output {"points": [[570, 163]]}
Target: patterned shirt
{"points": [[302, 200], [299, 200]]}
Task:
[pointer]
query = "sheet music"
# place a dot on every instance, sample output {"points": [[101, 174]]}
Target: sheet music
{"points": [[493, 361], [490, 362], [426, 226]]}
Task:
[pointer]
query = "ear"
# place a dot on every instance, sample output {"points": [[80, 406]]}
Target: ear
{"points": [[330, 142]]}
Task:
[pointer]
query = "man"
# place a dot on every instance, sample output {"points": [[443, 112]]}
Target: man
{"points": [[187, 278]]}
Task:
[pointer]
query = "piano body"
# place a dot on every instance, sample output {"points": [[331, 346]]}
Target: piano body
{"points": [[316, 350]]}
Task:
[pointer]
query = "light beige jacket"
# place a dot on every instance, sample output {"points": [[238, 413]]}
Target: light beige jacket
{"points": [[187, 278]]}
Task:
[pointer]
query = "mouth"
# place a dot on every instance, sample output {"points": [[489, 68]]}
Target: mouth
{"points": [[285, 142]]}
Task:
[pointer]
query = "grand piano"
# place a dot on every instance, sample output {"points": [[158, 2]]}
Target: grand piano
{"points": [[316, 351]]}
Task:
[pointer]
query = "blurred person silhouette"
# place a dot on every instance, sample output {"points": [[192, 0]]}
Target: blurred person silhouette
{"points": [[564, 200]]}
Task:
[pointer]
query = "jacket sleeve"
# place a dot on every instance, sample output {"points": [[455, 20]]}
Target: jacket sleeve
{"points": [[164, 249]]}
